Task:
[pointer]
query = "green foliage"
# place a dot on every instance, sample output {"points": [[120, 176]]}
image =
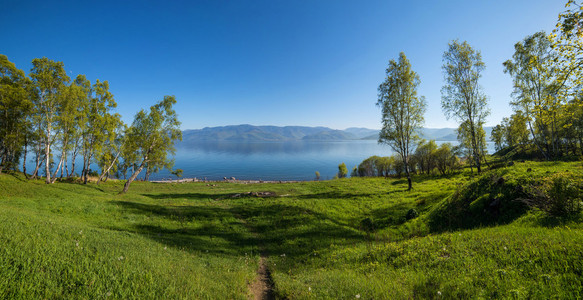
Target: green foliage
{"points": [[367, 225], [568, 45], [177, 172], [376, 166], [354, 172], [49, 80], [491, 199], [342, 170], [462, 97], [151, 137], [535, 89], [402, 109], [560, 195], [15, 110], [445, 159], [424, 156], [411, 214]]}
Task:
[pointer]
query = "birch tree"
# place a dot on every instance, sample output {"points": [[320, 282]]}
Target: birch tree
{"points": [[98, 114], [151, 137], [402, 110], [50, 79], [462, 98]]}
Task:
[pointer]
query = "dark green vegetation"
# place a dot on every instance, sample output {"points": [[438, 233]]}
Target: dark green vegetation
{"points": [[458, 236]]}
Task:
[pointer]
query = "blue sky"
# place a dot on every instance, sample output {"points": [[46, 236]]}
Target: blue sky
{"points": [[311, 63]]}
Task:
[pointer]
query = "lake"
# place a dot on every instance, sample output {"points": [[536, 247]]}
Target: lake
{"points": [[295, 160]]}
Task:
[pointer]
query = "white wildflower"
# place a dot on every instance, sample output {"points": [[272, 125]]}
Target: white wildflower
{"points": [[357, 296]]}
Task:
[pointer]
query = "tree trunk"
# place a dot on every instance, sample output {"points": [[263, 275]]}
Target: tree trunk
{"points": [[409, 182], [54, 177], [39, 163], [24, 160], [126, 186], [108, 168], [66, 169], [73, 157], [86, 164], [536, 142], [48, 154]]}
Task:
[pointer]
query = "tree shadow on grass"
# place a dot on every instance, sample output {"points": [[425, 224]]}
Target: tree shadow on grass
{"points": [[238, 227]]}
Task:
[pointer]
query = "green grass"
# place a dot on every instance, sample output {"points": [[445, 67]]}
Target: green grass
{"points": [[198, 240]]}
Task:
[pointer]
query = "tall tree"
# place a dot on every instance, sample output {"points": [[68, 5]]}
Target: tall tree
{"points": [[536, 90], [15, 108], [99, 124], [151, 137], [50, 79], [462, 97], [402, 110], [83, 91]]}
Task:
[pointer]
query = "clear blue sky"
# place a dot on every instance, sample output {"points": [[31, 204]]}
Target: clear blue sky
{"points": [[312, 63]]}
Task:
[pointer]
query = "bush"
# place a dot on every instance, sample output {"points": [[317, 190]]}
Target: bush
{"points": [[559, 195], [367, 225], [342, 170], [411, 214]]}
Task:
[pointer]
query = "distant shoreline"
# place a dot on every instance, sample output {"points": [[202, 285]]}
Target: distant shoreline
{"points": [[185, 180]]}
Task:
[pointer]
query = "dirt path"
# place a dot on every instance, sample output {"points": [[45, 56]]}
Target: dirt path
{"points": [[262, 287]]}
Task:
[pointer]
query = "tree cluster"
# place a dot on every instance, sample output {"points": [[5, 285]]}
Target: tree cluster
{"points": [[547, 72], [430, 158], [56, 120], [548, 94]]}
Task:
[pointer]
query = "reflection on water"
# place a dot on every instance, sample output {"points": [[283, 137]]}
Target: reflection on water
{"points": [[297, 160]]}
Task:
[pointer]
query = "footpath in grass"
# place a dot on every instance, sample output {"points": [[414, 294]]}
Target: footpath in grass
{"points": [[207, 240]]}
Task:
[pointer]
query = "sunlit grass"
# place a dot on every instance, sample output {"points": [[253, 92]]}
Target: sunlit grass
{"points": [[203, 240]]}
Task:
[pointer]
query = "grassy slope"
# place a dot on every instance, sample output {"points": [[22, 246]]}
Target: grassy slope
{"points": [[198, 241]]}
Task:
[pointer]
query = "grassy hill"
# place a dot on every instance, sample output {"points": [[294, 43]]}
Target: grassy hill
{"points": [[357, 237]]}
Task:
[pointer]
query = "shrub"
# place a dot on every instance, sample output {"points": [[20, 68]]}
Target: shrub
{"points": [[559, 195], [367, 225], [342, 170], [411, 214]]}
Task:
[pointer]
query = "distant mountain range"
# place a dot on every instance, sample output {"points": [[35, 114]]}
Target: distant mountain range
{"points": [[295, 133]]}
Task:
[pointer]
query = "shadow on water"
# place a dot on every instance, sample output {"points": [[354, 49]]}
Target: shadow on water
{"points": [[238, 226]]}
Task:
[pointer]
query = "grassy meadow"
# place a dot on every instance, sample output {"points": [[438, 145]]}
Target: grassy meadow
{"points": [[457, 236]]}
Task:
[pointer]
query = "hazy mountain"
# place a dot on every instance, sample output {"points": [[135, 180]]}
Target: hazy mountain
{"points": [[362, 133], [290, 133], [253, 133], [331, 135]]}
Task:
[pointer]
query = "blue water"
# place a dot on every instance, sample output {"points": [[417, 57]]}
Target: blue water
{"points": [[298, 160]]}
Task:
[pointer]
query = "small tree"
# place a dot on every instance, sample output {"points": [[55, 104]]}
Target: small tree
{"points": [[178, 173], [354, 172], [151, 137], [317, 175], [402, 110], [342, 170], [497, 135]]}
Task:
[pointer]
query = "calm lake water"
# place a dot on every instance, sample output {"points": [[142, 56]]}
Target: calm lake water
{"points": [[297, 160]]}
